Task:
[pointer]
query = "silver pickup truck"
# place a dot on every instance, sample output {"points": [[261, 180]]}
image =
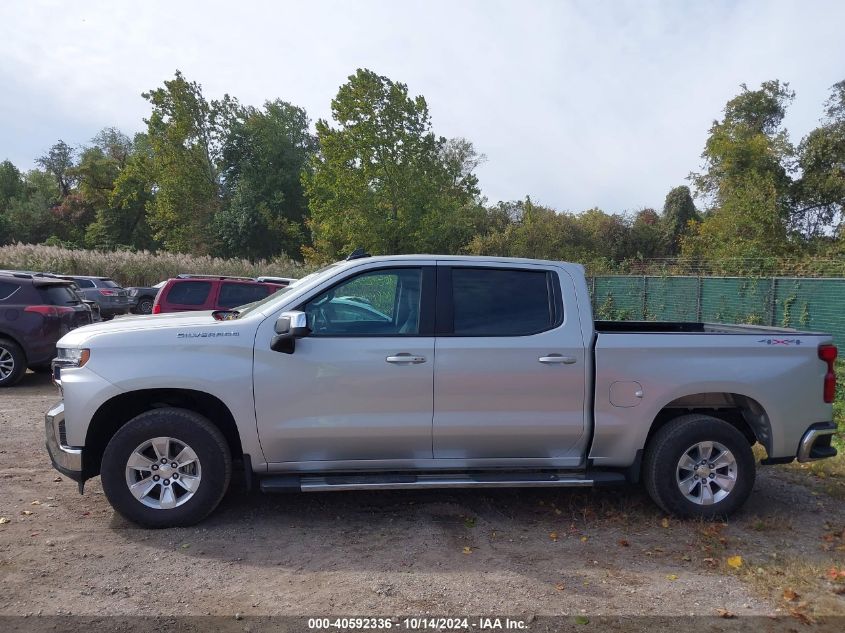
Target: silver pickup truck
{"points": [[432, 372]]}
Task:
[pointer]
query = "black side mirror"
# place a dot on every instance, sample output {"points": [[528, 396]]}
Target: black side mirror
{"points": [[289, 327]]}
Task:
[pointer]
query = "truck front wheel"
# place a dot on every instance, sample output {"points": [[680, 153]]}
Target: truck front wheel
{"points": [[165, 468], [698, 466]]}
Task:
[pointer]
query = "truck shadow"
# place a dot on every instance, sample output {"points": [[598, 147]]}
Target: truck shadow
{"points": [[528, 531]]}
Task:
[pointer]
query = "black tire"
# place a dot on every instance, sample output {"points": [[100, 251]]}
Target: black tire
{"points": [[106, 317], [13, 362], [662, 468], [144, 305], [186, 427]]}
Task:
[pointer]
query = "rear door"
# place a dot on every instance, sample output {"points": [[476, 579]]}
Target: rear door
{"points": [[509, 378], [88, 289]]}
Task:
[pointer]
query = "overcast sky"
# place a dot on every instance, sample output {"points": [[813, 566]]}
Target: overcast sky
{"points": [[577, 104]]}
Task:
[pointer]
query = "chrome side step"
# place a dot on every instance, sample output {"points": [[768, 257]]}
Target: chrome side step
{"points": [[310, 483]]}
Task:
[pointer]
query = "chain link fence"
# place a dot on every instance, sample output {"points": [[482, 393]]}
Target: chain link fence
{"points": [[816, 304]]}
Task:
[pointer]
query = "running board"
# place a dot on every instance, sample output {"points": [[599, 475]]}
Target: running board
{"points": [[310, 483]]}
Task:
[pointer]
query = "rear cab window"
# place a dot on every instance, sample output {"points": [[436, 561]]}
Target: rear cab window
{"points": [[504, 302], [189, 293]]}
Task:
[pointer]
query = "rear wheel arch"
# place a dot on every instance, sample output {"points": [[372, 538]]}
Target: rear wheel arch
{"points": [[741, 411], [13, 339], [119, 410]]}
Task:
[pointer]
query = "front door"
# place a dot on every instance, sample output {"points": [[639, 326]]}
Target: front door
{"points": [[359, 387]]}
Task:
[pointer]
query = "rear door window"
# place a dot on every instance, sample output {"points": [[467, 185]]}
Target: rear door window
{"points": [[233, 294], [189, 293], [7, 289], [500, 302]]}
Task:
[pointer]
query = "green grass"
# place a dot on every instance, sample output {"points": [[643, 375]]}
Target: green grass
{"points": [[138, 268]]}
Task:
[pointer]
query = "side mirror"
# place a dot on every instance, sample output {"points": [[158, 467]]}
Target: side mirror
{"points": [[289, 327]]}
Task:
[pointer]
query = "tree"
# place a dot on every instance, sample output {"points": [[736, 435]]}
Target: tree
{"points": [[820, 192], [747, 179], [264, 156], [186, 134], [116, 177], [647, 238], [678, 211], [30, 215], [749, 139], [11, 183], [114, 144], [58, 162], [745, 231], [382, 180]]}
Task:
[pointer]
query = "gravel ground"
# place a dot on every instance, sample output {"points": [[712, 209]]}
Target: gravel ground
{"points": [[522, 552]]}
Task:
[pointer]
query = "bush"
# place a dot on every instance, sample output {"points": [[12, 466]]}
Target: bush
{"points": [[140, 268]]}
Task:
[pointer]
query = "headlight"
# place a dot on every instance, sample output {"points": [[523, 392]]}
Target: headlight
{"points": [[72, 356]]}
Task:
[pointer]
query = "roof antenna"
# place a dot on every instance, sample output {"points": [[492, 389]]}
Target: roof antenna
{"points": [[358, 253]]}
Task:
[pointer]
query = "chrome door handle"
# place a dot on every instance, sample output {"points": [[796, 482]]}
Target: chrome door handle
{"points": [[405, 359], [557, 359]]}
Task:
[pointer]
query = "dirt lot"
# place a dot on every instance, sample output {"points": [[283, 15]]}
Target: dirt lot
{"points": [[527, 553]]}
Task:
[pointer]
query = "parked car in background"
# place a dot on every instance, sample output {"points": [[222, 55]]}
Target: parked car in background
{"points": [[92, 306], [142, 298], [192, 293], [107, 293], [35, 312]]}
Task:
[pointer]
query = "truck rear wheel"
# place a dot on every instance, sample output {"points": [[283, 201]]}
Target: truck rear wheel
{"points": [[698, 466], [165, 468]]}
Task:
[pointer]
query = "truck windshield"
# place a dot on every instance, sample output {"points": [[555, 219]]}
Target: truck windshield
{"points": [[257, 305]]}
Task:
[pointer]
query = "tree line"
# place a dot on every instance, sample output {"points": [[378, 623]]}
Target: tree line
{"points": [[216, 177]]}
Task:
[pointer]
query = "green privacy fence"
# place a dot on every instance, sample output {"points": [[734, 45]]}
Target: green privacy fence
{"points": [[798, 302]]}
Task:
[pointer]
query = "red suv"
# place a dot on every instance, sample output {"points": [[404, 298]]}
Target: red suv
{"points": [[206, 292]]}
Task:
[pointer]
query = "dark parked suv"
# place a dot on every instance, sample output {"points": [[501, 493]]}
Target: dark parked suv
{"points": [[113, 299], [207, 292], [35, 312]]}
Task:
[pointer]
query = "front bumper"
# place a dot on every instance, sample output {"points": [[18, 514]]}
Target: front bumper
{"points": [[66, 459], [815, 443]]}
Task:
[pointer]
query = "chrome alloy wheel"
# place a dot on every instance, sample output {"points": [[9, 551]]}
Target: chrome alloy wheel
{"points": [[706, 473], [7, 363], [163, 473]]}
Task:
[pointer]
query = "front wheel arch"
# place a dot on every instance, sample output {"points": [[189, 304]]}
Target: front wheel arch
{"points": [[117, 411]]}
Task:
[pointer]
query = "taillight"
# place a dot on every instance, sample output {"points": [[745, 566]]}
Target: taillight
{"points": [[156, 309], [49, 311], [108, 293], [828, 353]]}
